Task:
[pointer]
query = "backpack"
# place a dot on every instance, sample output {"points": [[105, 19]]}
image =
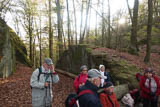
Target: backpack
{"points": [[72, 99], [40, 72], [128, 100], [138, 76]]}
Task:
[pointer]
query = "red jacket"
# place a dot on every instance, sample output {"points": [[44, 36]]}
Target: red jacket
{"points": [[145, 92], [79, 80], [106, 102]]}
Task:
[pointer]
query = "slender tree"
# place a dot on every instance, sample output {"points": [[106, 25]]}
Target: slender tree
{"points": [[130, 12], [59, 21], [109, 23], [81, 20], [86, 21], [133, 38], [68, 23], [149, 30], [96, 32], [103, 25], [75, 23], [50, 32]]}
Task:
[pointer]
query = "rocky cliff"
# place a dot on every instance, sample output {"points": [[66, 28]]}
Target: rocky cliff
{"points": [[12, 50]]}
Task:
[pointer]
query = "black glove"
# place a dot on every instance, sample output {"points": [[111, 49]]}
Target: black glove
{"points": [[152, 94]]}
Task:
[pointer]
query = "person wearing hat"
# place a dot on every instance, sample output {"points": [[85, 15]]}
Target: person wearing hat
{"points": [[104, 73], [80, 80], [41, 83], [92, 84], [149, 88], [108, 98]]}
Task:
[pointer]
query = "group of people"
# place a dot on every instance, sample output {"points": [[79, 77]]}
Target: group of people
{"points": [[93, 80], [43, 78]]}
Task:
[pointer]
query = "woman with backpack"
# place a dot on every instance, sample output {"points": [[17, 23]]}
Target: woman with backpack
{"points": [[149, 88], [80, 80]]}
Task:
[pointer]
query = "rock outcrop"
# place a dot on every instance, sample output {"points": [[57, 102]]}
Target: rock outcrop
{"points": [[12, 50], [120, 70]]}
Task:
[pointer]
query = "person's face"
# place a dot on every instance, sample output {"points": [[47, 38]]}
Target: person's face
{"points": [[84, 71], [148, 74], [47, 67], [103, 68], [97, 81], [109, 89]]}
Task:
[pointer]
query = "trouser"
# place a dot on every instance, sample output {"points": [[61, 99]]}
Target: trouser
{"points": [[150, 102]]}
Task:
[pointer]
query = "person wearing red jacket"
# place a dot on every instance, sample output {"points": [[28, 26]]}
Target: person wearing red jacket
{"points": [[80, 80], [149, 88], [108, 98]]}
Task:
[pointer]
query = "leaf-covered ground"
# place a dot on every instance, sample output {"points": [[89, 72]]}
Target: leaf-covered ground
{"points": [[15, 91]]}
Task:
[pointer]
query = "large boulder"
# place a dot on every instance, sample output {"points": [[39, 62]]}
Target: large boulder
{"points": [[12, 50], [120, 70]]}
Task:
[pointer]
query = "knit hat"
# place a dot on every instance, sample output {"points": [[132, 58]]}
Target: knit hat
{"points": [[108, 84], [83, 67], [48, 61], [148, 70], [100, 66], [95, 73]]}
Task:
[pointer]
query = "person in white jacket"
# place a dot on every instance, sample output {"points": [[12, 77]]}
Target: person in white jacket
{"points": [[104, 73], [41, 83]]}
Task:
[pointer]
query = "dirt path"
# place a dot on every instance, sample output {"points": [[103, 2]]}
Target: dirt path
{"points": [[15, 91]]}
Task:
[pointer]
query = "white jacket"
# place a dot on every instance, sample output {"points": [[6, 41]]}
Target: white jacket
{"points": [[42, 96]]}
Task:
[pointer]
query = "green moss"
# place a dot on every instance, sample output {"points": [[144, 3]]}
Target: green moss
{"points": [[20, 49], [89, 50], [124, 73]]}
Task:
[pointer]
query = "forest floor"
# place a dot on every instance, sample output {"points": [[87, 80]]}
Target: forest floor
{"points": [[15, 90]]}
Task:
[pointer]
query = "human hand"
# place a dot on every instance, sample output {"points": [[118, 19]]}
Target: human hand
{"points": [[52, 68]]}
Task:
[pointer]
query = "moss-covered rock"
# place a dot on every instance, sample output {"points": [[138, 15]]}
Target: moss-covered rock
{"points": [[121, 72], [12, 50], [20, 49]]}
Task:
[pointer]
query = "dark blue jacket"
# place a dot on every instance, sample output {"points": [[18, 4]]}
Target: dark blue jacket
{"points": [[108, 77], [89, 100]]}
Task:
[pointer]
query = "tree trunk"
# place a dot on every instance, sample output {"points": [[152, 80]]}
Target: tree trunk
{"points": [[96, 32], [30, 38], [133, 39], [75, 21], [86, 22], [103, 26], [40, 48], [60, 42], [130, 12], [50, 33], [149, 30], [109, 23], [81, 21], [88, 27], [34, 53], [69, 28]]}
